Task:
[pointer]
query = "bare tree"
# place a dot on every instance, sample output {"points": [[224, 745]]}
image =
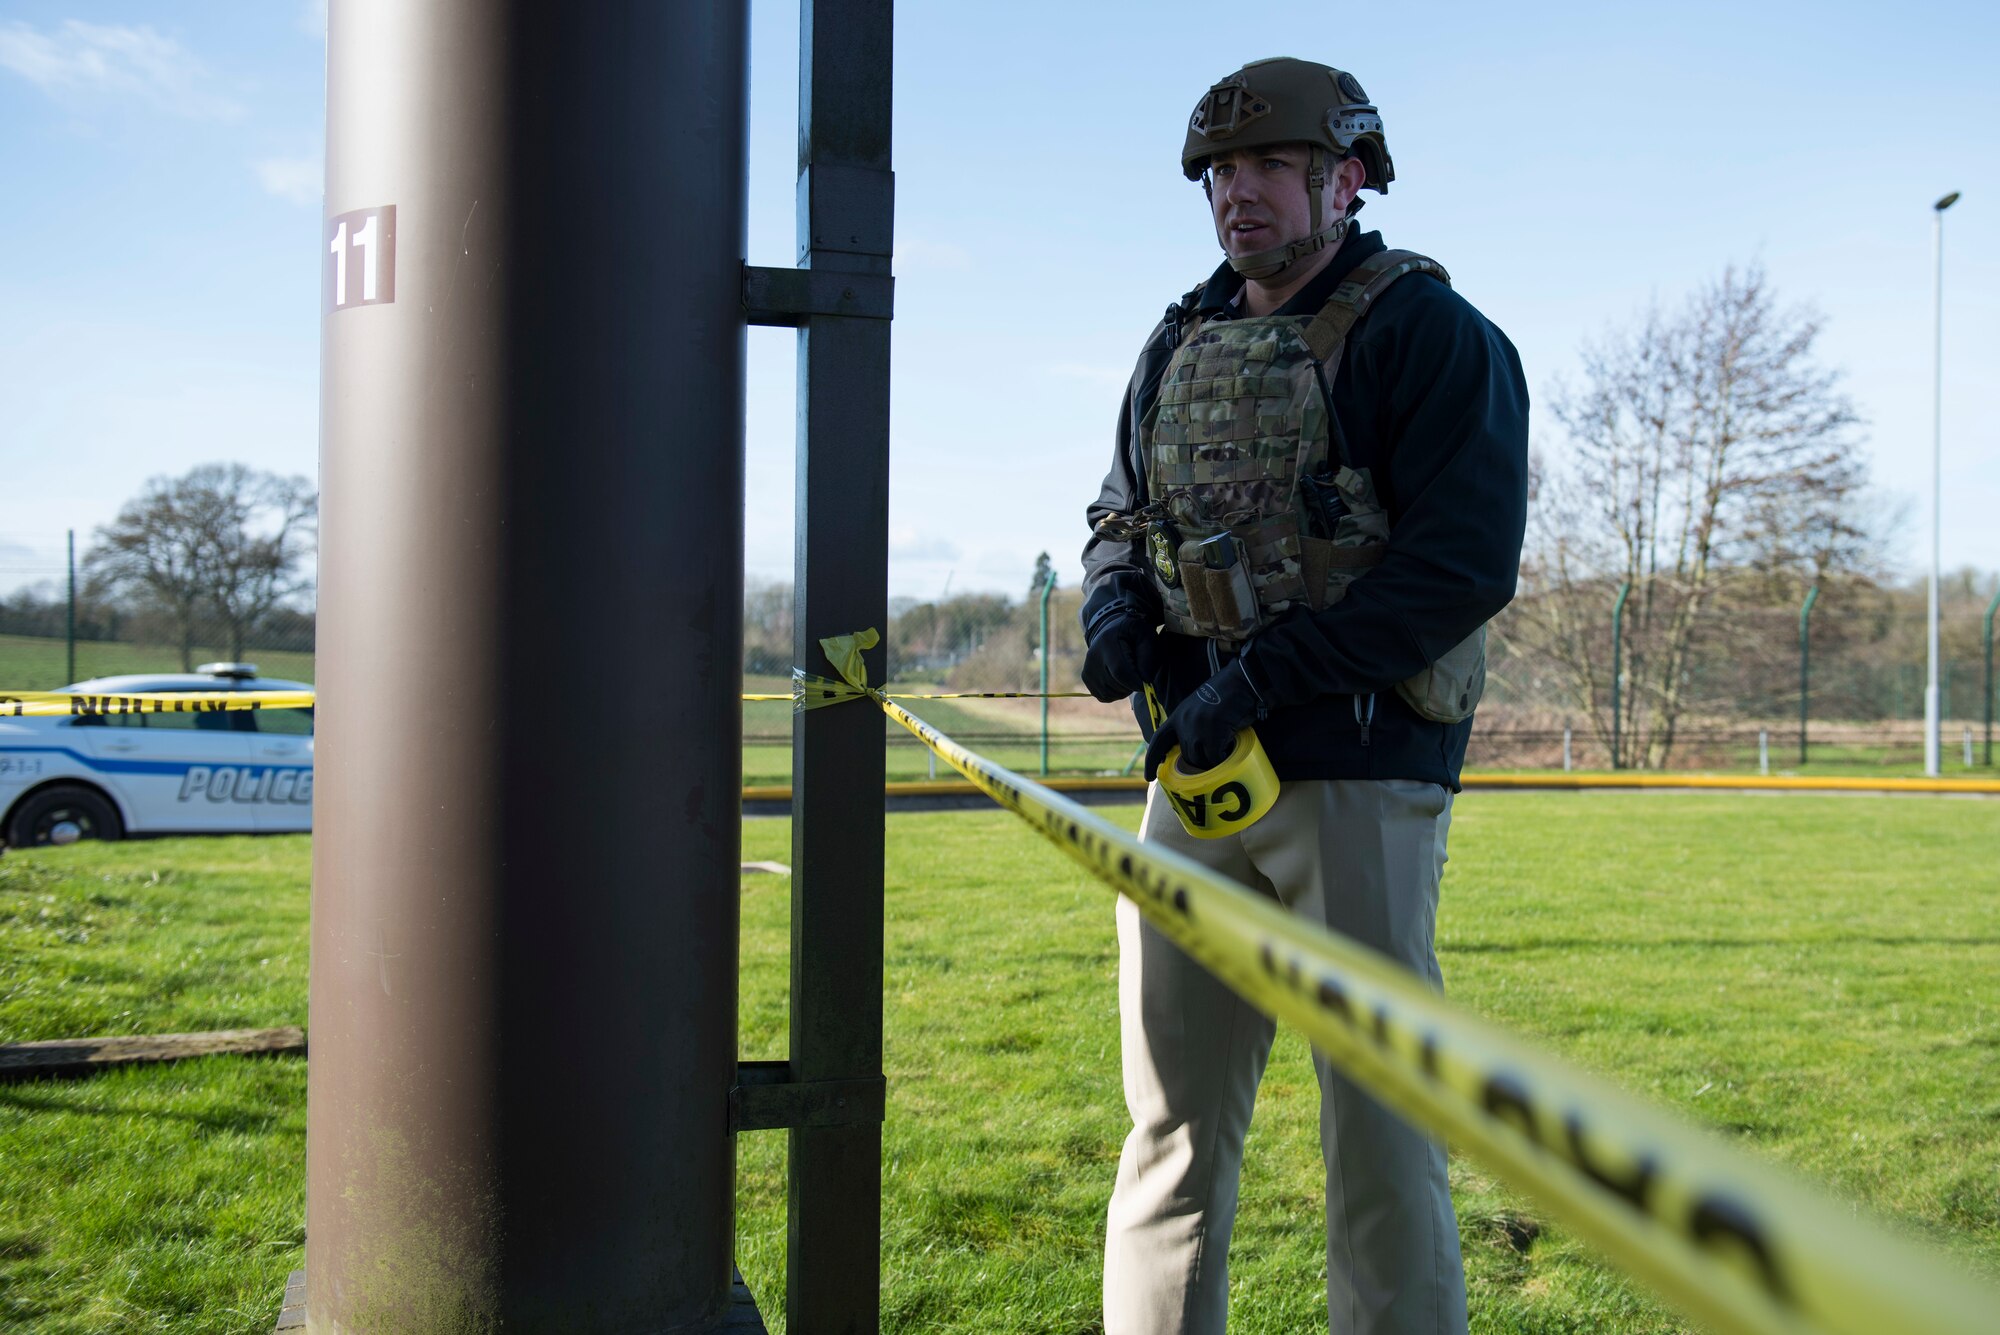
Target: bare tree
{"points": [[767, 626], [262, 528], [223, 539], [1707, 447]]}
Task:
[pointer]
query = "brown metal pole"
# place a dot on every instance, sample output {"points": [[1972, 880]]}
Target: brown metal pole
{"points": [[525, 865], [845, 210]]}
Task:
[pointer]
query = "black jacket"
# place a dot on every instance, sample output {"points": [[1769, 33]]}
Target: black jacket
{"points": [[1432, 401]]}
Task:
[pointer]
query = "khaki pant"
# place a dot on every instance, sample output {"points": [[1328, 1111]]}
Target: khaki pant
{"points": [[1363, 857]]}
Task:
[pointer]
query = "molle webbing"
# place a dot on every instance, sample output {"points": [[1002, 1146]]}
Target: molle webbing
{"points": [[1239, 434], [1248, 516], [1368, 280]]}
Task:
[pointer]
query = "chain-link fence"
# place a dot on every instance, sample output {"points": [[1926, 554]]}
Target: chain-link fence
{"points": [[1836, 679]]}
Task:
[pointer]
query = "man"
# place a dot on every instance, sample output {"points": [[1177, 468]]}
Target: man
{"points": [[1316, 502]]}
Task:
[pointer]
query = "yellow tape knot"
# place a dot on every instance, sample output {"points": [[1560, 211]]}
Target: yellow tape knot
{"points": [[845, 653]]}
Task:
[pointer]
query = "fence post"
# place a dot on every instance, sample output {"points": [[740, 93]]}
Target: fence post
{"points": [[1990, 608], [1566, 753], [1805, 664], [1617, 667], [1763, 750], [1048, 587], [846, 206], [69, 622], [1968, 746]]}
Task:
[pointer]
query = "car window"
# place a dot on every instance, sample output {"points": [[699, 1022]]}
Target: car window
{"points": [[285, 722], [203, 722], [110, 721], [234, 720]]}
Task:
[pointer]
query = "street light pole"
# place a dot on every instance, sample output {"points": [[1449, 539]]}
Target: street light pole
{"points": [[1931, 711], [1617, 667], [1805, 665]]}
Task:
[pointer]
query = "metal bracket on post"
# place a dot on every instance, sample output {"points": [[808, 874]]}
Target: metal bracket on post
{"points": [[766, 1098], [788, 297]]}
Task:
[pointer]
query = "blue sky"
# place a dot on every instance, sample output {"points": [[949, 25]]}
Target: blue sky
{"points": [[1568, 163]]}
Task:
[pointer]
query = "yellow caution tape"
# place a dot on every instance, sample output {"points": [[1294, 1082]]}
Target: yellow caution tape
{"points": [[844, 652], [808, 692], [1731, 1241], [58, 704], [812, 692]]}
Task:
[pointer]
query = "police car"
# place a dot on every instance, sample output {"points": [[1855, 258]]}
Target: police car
{"points": [[104, 776]]}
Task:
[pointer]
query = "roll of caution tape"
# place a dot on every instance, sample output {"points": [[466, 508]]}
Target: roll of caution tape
{"points": [[1226, 800], [1732, 1242]]}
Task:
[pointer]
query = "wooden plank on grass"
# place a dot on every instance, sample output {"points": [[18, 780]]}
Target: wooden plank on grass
{"points": [[292, 1315], [86, 1056]]}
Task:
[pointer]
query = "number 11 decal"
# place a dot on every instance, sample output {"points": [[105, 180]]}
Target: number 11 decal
{"points": [[360, 265]]}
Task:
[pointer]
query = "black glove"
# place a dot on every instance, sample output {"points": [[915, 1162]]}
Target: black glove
{"points": [[1205, 724], [1122, 658]]}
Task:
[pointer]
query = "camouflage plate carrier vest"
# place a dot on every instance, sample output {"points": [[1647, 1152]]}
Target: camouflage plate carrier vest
{"points": [[1255, 505]]}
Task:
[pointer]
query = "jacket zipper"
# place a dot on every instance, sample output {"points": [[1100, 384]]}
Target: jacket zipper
{"points": [[1364, 717]]}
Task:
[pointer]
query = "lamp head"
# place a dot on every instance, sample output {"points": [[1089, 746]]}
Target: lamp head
{"points": [[1946, 202]]}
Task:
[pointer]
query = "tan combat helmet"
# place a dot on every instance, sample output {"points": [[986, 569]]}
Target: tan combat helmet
{"points": [[1287, 101]]}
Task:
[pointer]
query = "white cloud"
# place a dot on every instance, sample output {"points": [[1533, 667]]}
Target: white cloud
{"points": [[909, 544], [916, 255], [296, 179], [91, 58]]}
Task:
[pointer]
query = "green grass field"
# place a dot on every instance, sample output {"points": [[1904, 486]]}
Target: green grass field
{"points": [[167, 1198], [32, 663], [1816, 977]]}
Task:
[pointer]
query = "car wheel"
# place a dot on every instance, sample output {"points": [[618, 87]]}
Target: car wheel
{"points": [[62, 815]]}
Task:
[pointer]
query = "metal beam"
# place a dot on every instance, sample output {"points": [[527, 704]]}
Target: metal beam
{"points": [[788, 296], [767, 1098], [525, 879], [845, 226]]}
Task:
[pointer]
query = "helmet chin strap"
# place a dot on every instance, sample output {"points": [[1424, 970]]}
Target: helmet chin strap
{"points": [[1270, 263]]}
